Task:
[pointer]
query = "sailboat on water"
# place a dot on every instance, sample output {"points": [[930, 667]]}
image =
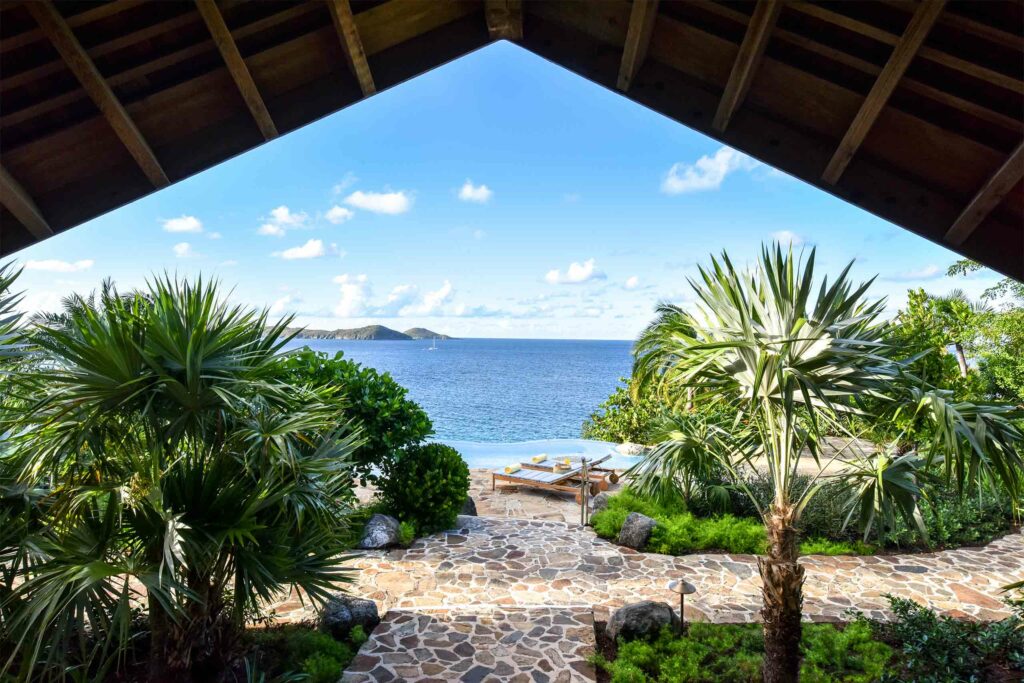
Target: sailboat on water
{"points": [[433, 344]]}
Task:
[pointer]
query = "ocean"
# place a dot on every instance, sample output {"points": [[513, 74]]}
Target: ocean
{"points": [[499, 399]]}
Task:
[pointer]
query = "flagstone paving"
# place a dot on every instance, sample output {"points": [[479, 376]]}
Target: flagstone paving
{"points": [[483, 645], [502, 562]]}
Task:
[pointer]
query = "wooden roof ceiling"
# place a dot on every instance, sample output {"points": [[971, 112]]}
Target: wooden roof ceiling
{"points": [[912, 111]]}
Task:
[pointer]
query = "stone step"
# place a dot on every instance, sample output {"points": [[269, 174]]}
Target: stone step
{"points": [[479, 645]]}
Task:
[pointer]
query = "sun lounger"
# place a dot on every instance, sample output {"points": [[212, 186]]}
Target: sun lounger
{"points": [[544, 477], [601, 475]]}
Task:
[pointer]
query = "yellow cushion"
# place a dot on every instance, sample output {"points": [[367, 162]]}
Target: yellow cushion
{"points": [[510, 469], [540, 458]]}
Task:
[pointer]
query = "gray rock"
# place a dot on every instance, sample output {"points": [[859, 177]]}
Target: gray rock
{"points": [[636, 531], [641, 620], [380, 532], [342, 612], [469, 507], [632, 448], [599, 502]]}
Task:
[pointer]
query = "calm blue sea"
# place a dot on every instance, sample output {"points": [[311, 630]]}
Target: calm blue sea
{"points": [[487, 396]]}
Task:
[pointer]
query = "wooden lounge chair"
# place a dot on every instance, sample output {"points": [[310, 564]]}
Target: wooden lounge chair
{"points": [[546, 478], [603, 476]]}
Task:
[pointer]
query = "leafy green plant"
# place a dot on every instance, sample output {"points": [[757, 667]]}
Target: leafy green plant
{"points": [[824, 546], [172, 458], [934, 648], [734, 652], [374, 401], [301, 649], [625, 416], [427, 486], [789, 357], [406, 534]]}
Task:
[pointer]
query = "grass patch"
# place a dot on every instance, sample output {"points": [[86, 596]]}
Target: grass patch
{"points": [[734, 652]]}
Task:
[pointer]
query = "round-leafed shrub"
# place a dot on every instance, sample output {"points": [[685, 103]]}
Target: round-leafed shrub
{"points": [[427, 485]]}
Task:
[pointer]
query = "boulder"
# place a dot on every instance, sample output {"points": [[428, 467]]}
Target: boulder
{"points": [[641, 620], [636, 531], [599, 502], [342, 612], [380, 532], [469, 507]]}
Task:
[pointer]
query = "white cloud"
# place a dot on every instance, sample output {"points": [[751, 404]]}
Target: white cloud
{"points": [[481, 194], [707, 173], [183, 224], [479, 234], [930, 272], [355, 290], [571, 197], [348, 181], [632, 282], [339, 214], [380, 202], [228, 263], [281, 304], [281, 220], [787, 237], [311, 249], [214, 235], [432, 302], [271, 229], [575, 274], [58, 266], [183, 250]]}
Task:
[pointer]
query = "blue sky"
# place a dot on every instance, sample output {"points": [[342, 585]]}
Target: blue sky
{"points": [[499, 196]]}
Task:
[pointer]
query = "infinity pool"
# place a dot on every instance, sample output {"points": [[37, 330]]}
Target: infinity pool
{"points": [[480, 454]]}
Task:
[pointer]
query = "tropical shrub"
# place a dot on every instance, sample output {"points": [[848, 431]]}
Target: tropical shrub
{"points": [[297, 649], [427, 486], [388, 419], [172, 458], [625, 417], [790, 356], [933, 648], [709, 653]]}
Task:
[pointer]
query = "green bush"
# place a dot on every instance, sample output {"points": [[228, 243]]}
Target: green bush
{"points": [[427, 486], [304, 650], [406, 534], [733, 652], [622, 418], [677, 532], [824, 546], [377, 403], [934, 648], [321, 668]]}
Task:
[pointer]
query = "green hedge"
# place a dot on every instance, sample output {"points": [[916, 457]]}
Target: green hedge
{"points": [[427, 486]]}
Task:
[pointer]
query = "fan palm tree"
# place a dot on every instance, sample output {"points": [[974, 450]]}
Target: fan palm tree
{"points": [[789, 359], [174, 461]]}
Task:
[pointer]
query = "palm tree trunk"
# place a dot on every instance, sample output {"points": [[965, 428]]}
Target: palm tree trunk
{"points": [[159, 631], [782, 597], [961, 359]]}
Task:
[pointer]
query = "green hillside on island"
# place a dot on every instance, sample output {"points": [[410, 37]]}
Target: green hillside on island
{"points": [[371, 333]]}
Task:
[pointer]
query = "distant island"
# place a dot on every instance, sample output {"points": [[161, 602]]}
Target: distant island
{"points": [[370, 333]]}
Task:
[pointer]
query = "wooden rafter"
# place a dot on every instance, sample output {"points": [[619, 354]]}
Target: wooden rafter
{"points": [[19, 203], [71, 51], [638, 38], [762, 21], [988, 198], [888, 38], [83, 18], [237, 67], [902, 54], [352, 44], [504, 19]]}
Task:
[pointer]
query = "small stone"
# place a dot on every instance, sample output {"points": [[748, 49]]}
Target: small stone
{"points": [[636, 531], [342, 612], [599, 502], [381, 532], [641, 620]]}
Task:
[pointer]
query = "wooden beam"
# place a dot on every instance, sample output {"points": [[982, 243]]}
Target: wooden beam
{"points": [[237, 67], [60, 35], [19, 203], [638, 38], [352, 44], [504, 19], [988, 197], [902, 54], [762, 21]]}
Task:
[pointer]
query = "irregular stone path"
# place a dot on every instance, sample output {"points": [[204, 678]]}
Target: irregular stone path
{"points": [[518, 645], [523, 594]]}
